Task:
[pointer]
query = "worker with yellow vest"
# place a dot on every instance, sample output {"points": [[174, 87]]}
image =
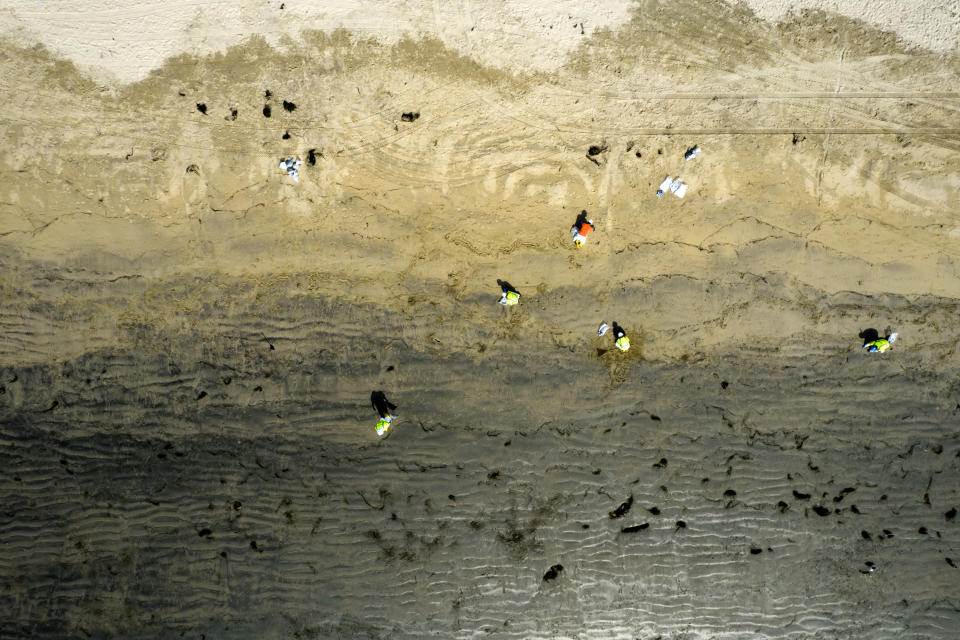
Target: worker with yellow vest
{"points": [[383, 407], [621, 340], [880, 344], [508, 295]]}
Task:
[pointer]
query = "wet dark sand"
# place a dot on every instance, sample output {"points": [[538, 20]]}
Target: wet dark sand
{"points": [[227, 482]]}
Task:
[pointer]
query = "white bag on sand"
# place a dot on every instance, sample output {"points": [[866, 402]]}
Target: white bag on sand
{"points": [[291, 166], [893, 338], [666, 183], [680, 191], [603, 329]]}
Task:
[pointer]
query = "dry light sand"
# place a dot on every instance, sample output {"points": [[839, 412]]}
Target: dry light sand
{"points": [[189, 339]]}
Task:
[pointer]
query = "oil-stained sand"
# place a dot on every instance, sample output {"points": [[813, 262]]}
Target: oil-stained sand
{"points": [[189, 341]]}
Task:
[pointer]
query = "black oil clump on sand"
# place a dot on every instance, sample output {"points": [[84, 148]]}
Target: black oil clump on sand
{"points": [[289, 106], [636, 527], [552, 572], [622, 510], [410, 116]]}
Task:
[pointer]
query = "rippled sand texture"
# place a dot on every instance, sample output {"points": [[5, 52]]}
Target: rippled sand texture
{"points": [[188, 340]]}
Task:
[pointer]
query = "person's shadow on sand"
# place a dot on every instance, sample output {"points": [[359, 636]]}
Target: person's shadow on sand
{"points": [[869, 335], [580, 219], [379, 401], [506, 286]]}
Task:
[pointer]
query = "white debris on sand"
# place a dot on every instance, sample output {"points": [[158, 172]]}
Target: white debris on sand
{"points": [[292, 167], [675, 186]]}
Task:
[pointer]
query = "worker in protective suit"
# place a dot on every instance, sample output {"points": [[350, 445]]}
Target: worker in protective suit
{"points": [[880, 344], [581, 229], [621, 340], [383, 406], [509, 296]]}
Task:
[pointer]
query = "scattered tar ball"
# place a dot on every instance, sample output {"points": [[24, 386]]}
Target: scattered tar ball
{"points": [[203, 533], [202, 108], [922, 530], [452, 497], [621, 511], [253, 545], [584, 526], [266, 111], [755, 550], [553, 572], [950, 562], [223, 554], [203, 394], [866, 535], [662, 464], [192, 168], [729, 493], [267, 94], [950, 515], [636, 527], [655, 417], [724, 384], [233, 114], [800, 496], [654, 510], [659, 152], [681, 524], [853, 508], [782, 506], [821, 511], [390, 368], [237, 505], [286, 135], [312, 157], [870, 567], [410, 116], [888, 533], [596, 150], [289, 106], [638, 155], [493, 475]]}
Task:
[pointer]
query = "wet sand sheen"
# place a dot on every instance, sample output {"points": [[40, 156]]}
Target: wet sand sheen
{"points": [[242, 483]]}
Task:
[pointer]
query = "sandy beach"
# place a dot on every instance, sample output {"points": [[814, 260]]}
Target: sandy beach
{"points": [[189, 338]]}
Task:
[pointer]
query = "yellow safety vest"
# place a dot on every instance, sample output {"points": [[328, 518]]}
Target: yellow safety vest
{"points": [[512, 298], [881, 344], [383, 424], [623, 343]]}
